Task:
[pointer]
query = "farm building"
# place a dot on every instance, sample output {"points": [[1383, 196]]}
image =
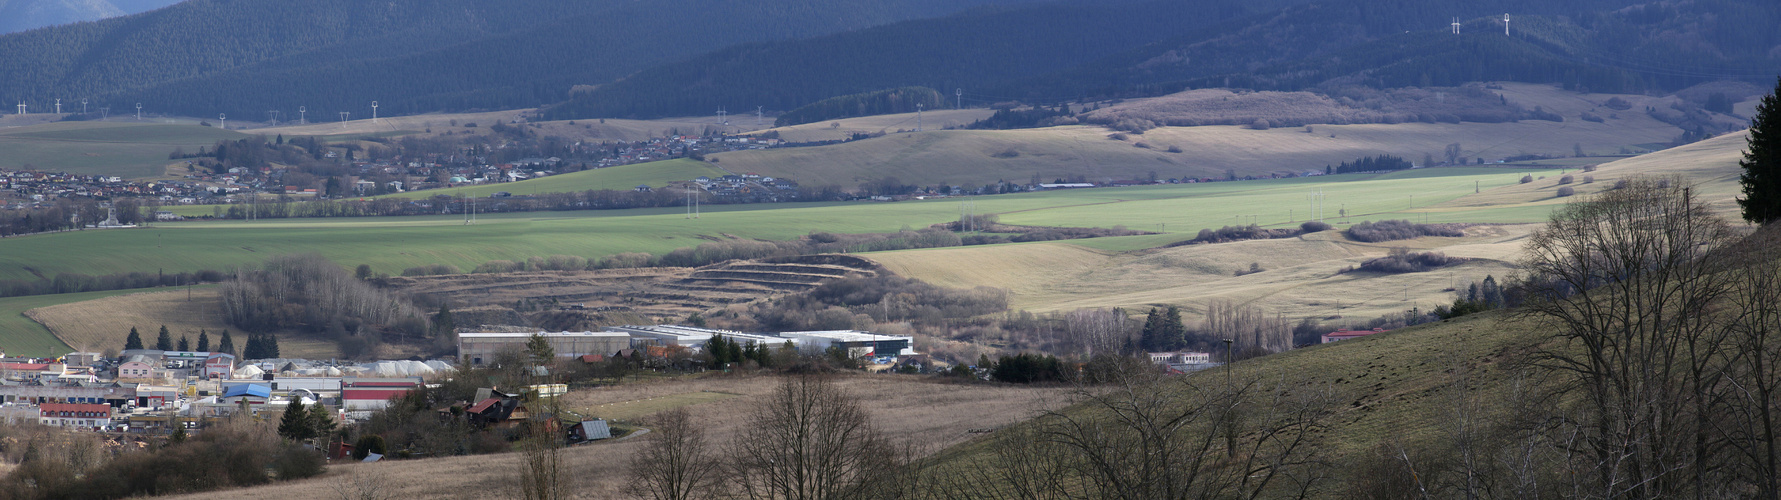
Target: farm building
{"points": [[480, 348]]}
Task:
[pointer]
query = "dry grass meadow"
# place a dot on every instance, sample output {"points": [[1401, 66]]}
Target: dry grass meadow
{"points": [[100, 324], [986, 156], [927, 414]]}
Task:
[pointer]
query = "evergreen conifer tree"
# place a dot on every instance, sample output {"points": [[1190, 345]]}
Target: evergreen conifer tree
{"points": [[716, 347], [227, 344], [295, 424], [185, 344], [134, 341], [203, 341], [165, 340], [1761, 179], [1173, 333], [443, 323], [269, 344], [252, 349], [321, 420], [1147, 339]]}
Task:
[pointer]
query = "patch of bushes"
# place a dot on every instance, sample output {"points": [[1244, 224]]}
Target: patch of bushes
{"points": [[1566, 179], [1401, 260], [1027, 368], [1399, 229], [1527, 178], [1314, 226], [1566, 191], [431, 270]]}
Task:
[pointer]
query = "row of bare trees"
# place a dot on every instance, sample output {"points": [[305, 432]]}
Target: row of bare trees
{"points": [[810, 440], [1664, 325], [1142, 436]]}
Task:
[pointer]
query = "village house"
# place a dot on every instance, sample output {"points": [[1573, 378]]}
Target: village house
{"points": [[75, 415]]}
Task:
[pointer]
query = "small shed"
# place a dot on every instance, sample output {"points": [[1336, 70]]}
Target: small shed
{"points": [[590, 430]]}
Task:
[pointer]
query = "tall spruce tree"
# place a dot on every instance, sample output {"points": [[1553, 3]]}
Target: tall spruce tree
{"points": [[1147, 340], [269, 344], [1761, 179], [165, 340], [203, 341], [185, 344], [295, 425], [227, 344], [252, 349], [718, 349], [1173, 333], [134, 341]]}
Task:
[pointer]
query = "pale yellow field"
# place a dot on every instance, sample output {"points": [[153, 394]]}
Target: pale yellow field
{"points": [[1712, 165], [925, 414], [1300, 280], [97, 325], [827, 130]]}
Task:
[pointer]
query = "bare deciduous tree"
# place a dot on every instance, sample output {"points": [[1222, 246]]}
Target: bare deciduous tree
{"points": [[1627, 281], [677, 464], [810, 441]]}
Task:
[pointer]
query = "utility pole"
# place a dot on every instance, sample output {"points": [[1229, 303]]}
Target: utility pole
{"points": [[959, 93], [918, 117]]}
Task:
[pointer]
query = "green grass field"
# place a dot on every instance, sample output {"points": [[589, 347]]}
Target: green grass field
{"points": [[390, 244], [20, 336], [126, 149]]}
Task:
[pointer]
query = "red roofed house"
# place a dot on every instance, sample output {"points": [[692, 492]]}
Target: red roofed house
{"points": [[1345, 334], [74, 415]]}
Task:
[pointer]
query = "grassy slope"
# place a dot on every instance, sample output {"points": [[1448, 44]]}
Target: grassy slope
{"points": [[21, 336], [929, 414], [621, 178], [827, 130], [127, 149], [1388, 388]]}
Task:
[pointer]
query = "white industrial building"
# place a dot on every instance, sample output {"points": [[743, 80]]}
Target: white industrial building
{"points": [[481, 347], [857, 343], [687, 336]]}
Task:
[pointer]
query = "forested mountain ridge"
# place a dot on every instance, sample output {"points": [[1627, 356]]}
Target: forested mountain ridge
{"points": [[1599, 45], [1154, 48], [203, 57], [21, 15]]}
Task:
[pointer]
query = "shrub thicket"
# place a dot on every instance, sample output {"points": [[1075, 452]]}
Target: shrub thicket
{"points": [[1399, 229], [1401, 260]]}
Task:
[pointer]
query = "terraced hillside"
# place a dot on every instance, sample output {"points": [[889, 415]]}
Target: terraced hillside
{"points": [[589, 299]]}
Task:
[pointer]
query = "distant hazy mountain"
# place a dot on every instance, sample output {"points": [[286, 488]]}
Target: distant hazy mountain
{"points": [[21, 15], [244, 57]]}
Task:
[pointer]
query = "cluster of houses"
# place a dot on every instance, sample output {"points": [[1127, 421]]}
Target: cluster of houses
{"points": [[146, 389], [34, 189]]}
